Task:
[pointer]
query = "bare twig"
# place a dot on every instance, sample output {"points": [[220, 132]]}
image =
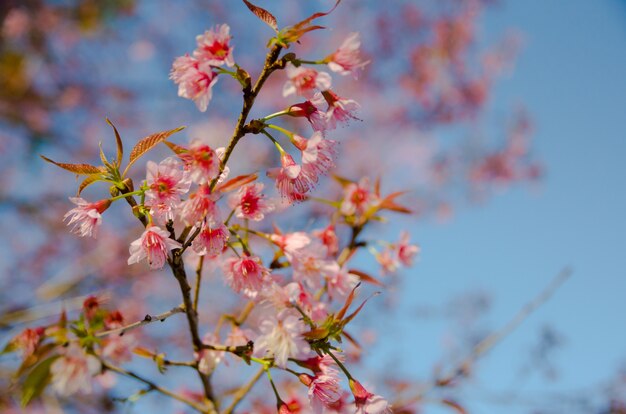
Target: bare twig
{"points": [[154, 387], [491, 340], [243, 391], [148, 319]]}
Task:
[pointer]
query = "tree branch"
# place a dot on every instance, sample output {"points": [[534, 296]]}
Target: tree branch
{"points": [[148, 319]]}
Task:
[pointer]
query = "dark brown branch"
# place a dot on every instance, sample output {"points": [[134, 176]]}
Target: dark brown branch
{"points": [[148, 319]]}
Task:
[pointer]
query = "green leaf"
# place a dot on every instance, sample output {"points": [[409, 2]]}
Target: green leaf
{"points": [[36, 381]]}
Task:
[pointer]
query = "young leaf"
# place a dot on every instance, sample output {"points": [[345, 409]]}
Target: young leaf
{"points": [[293, 33], [236, 182], [176, 149], [365, 277], [90, 179], [147, 143], [263, 14], [80, 169], [118, 142], [37, 380]]}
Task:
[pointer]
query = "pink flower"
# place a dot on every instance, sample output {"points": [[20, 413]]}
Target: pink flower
{"points": [[167, 182], [207, 358], [292, 182], [211, 239], [199, 206], [118, 348], [368, 403], [388, 261], [317, 153], [406, 251], [339, 109], [311, 112], [324, 390], [340, 282], [154, 244], [201, 162], [86, 217], [72, 372], [304, 81], [246, 274], [195, 80], [357, 198], [328, 237], [28, 341], [249, 202], [346, 59], [213, 47], [281, 337]]}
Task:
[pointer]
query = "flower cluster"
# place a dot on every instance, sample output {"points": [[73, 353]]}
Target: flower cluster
{"points": [[299, 285]]}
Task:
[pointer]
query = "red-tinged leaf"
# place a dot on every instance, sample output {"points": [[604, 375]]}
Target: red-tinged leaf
{"points": [[293, 35], [87, 182], [377, 187], [454, 405], [344, 182], [236, 182], [36, 381], [143, 352], [356, 312], [263, 14], [118, 143], [176, 149], [388, 203], [315, 16], [317, 333], [80, 169], [346, 305], [147, 143], [365, 277], [351, 339]]}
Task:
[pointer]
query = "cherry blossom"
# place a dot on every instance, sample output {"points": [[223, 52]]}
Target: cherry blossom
{"points": [[28, 340], [317, 153], [214, 48], [292, 182], [86, 216], [304, 81], [324, 390], [245, 274], [195, 80], [340, 110], [72, 371], [347, 59], [166, 183], [199, 206], [201, 162], [211, 239], [208, 358], [154, 245], [281, 337], [406, 251], [357, 198], [366, 402], [311, 112], [250, 203]]}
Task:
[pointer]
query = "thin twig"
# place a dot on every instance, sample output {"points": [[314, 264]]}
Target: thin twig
{"points": [[153, 386], [196, 295], [148, 319], [490, 341], [242, 392]]}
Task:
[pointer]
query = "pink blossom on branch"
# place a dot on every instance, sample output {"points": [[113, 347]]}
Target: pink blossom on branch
{"points": [[340, 110], [281, 337], [72, 371], [291, 180], [201, 162], [318, 153], [153, 245], [86, 216], [304, 81], [214, 48], [211, 239], [246, 274], [195, 80], [347, 59], [366, 402], [166, 183], [250, 203]]}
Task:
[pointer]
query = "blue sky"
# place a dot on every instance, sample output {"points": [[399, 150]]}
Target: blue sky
{"points": [[571, 76]]}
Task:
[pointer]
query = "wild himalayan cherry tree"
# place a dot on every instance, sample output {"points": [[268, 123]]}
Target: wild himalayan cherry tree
{"points": [[296, 290]]}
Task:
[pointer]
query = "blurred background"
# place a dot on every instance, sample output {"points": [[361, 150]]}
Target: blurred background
{"points": [[503, 120]]}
